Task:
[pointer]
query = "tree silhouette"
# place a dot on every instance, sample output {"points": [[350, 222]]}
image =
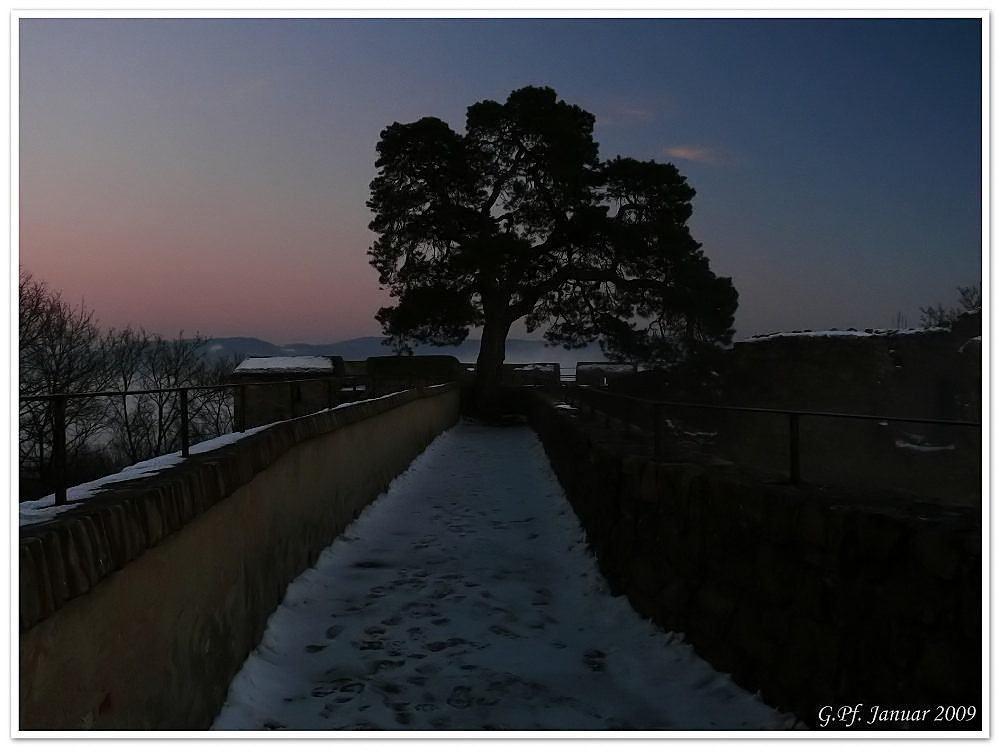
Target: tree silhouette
{"points": [[970, 299], [519, 219]]}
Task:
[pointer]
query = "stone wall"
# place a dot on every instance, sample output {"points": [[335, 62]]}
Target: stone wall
{"points": [[389, 374], [811, 598], [933, 373], [273, 388], [138, 607]]}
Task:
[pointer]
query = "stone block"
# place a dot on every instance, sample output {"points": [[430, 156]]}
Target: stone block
{"points": [[973, 544], [807, 667], [717, 599], [775, 576], [675, 597], [35, 600], [152, 519], [734, 569], [87, 546], [840, 519], [970, 615], [644, 575], [936, 552], [878, 535], [691, 548], [812, 596], [639, 479], [812, 524], [76, 575], [899, 643], [757, 633], [103, 560], [780, 518], [54, 568], [645, 603], [671, 481], [701, 490], [668, 536], [942, 671], [112, 522], [706, 630]]}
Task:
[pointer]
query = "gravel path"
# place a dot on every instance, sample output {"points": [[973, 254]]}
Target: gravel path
{"points": [[464, 598]]}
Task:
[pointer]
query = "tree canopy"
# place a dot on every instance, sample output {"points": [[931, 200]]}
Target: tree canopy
{"points": [[519, 219]]}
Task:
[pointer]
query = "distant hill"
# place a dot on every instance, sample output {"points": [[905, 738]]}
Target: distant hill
{"points": [[518, 350], [239, 346]]}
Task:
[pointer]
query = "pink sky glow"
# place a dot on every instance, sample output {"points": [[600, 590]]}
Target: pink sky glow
{"points": [[210, 175]]}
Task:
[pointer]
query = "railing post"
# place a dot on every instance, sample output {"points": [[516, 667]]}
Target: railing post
{"points": [[241, 409], [185, 423], [59, 447], [291, 399], [658, 429], [794, 472]]}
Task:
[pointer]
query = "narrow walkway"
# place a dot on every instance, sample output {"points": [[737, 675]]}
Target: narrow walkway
{"points": [[464, 598]]}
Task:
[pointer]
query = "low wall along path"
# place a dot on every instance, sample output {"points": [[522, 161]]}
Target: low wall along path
{"points": [[138, 605]]}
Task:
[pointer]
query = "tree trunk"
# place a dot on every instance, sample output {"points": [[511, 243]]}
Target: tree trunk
{"points": [[489, 369]]}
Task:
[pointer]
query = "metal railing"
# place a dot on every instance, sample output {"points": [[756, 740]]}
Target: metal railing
{"points": [[59, 401], [651, 414]]}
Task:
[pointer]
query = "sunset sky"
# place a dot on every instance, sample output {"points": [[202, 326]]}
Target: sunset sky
{"points": [[210, 175]]}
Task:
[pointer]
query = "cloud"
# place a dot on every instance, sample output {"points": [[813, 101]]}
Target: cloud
{"points": [[625, 114], [700, 154]]}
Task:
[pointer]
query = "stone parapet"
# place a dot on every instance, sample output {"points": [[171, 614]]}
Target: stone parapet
{"points": [[811, 597]]}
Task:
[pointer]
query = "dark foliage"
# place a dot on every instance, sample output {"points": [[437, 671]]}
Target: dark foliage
{"points": [[519, 219]]}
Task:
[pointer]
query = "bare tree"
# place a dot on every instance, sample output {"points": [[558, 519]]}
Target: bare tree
{"points": [[60, 351], [144, 425], [970, 299], [173, 363], [212, 411], [130, 425], [63, 351]]}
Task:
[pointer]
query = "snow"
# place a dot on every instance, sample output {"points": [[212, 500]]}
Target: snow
{"points": [[834, 332], [913, 442], [285, 364], [45, 509], [604, 366], [921, 448], [537, 367], [975, 341], [463, 599]]}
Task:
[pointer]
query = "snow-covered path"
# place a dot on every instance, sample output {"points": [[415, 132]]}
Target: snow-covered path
{"points": [[464, 598]]}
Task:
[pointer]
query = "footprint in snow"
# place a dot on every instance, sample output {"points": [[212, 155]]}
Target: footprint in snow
{"points": [[505, 632], [594, 659], [461, 697]]}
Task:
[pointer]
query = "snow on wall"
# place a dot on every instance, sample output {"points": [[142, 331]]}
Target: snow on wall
{"points": [[302, 364], [975, 342], [835, 332]]}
